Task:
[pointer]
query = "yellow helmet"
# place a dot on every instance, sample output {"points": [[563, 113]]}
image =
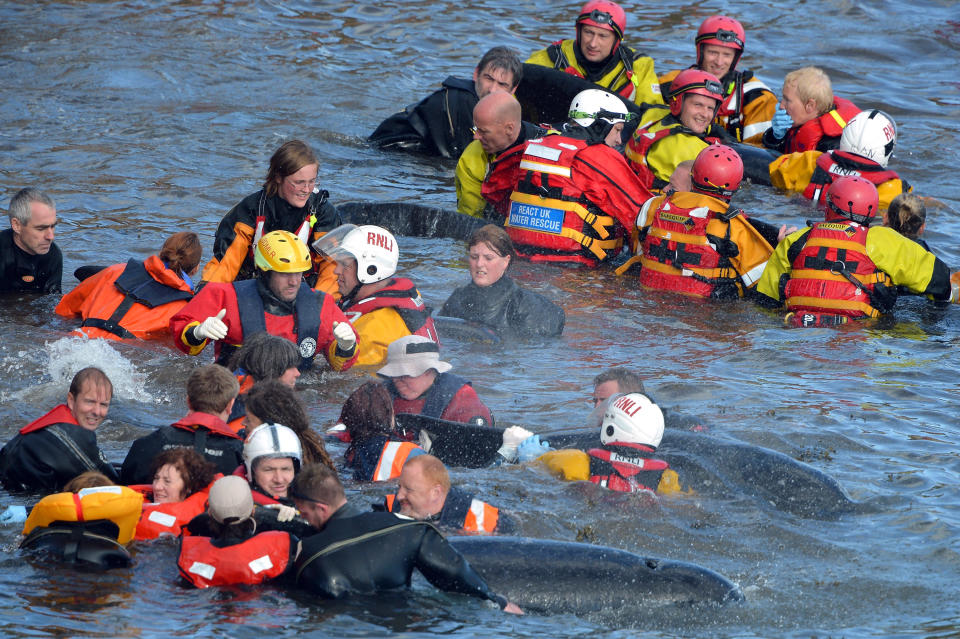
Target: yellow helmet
{"points": [[282, 251]]}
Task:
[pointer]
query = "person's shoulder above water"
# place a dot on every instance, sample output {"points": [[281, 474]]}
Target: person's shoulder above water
{"points": [[30, 261]]}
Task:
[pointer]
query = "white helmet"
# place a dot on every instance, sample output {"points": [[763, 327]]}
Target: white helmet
{"points": [[872, 134], [374, 248], [271, 441], [632, 418], [593, 104]]}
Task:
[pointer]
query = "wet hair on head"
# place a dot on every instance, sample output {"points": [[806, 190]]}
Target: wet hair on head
{"points": [[196, 472], [20, 204], [907, 215], [433, 470], [495, 237], [90, 374], [626, 379], [181, 252], [287, 160], [89, 479], [812, 83], [210, 389], [502, 58], [266, 356], [367, 412], [273, 402]]}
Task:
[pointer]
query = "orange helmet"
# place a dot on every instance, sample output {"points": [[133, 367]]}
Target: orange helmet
{"points": [[717, 171], [854, 198], [603, 14], [693, 81], [721, 31]]}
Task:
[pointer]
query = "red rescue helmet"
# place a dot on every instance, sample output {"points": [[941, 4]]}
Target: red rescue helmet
{"points": [[603, 14], [693, 81], [721, 31], [717, 171], [852, 197]]}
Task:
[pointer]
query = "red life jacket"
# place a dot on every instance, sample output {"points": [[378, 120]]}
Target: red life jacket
{"points": [[403, 297], [262, 557], [834, 164], [59, 415], [549, 218], [625, 473], [832, 273], [808, 136], [157, 520], [196, 420], [678, 255]]}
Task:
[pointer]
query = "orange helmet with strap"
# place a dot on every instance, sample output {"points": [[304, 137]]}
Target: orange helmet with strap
{"points": [[717, 171], [721, 31], [603, 14], [854, 198], [693, 81]]}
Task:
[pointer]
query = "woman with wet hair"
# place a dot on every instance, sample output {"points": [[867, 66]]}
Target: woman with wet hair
{"points": [[377, 451], [492, 298], [273, 402], [137, 299]]}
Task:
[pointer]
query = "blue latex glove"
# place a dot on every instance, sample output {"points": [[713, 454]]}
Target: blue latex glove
{"points": [[14, 515], [531, 448], [780, 123]]}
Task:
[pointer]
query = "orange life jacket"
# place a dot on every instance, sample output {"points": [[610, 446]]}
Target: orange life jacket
{"points": [[262, 557]]}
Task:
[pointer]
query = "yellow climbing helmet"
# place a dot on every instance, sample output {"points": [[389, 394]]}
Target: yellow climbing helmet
{"points": [[281, 251]]}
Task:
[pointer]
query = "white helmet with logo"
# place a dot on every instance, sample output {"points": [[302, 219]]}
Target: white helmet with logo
{"points": [[271, 441], [632, 418], [374, 248], [872, 134], [593, 104]]}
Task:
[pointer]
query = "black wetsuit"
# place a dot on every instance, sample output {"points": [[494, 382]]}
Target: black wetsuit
{"points": [[48, 458], [267, 519], [21, 272], [373, 551], [440, 124], [226, 453], [505, 306]]}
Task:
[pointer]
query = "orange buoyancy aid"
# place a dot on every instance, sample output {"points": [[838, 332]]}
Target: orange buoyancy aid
{"points": [[680, 254], [832, 272], [549, 216], [392, 459], [158, 520], [258, 559], [402, 296], [834, 164], [460, 510]]}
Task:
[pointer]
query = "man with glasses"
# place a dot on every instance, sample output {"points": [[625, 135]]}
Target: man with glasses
{"points": [[673, 134], [569, 198], [441, 124], [748, 105], [290, 200], [599, 55], [30, 261]]}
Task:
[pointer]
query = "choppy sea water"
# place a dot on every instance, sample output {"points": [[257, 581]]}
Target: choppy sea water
{"points": [[145, 118]]}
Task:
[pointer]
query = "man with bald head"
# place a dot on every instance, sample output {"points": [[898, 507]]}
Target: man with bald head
{"points": [[424, 493], [497, 127]]}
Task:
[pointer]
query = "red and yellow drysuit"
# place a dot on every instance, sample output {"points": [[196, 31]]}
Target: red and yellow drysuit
{"points": [[617, 466], [659, 144], [812, 172], [846, 269], [627, 73], [692, 243], [395, 311]]}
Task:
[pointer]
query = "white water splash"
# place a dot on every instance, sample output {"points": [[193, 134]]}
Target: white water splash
{"points": [[68, 355]]}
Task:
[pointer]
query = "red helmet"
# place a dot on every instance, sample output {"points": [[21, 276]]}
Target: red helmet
{"points": [[693, 81], [603, 14], [852, 197], [721, 31], [717, 171]]}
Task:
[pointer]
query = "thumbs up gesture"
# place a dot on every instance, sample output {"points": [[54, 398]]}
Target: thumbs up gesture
{"points": [[212, 328]]}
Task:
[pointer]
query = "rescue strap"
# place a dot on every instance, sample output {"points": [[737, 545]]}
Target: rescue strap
{"points": [[112, 323], [71, 446]]}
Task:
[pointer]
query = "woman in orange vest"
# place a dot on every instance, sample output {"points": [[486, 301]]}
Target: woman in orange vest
{"points": [[181, 480], [377, 451], [136, 299]]}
